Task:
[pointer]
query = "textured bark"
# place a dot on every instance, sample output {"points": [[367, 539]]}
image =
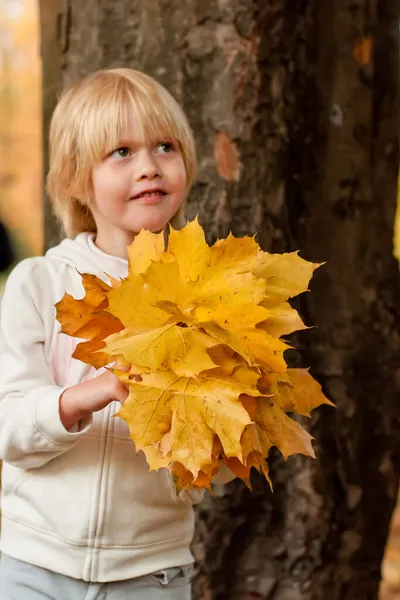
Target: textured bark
{"points": [[296, 125]]}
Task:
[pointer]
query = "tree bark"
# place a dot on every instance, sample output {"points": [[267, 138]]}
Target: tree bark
{"points": [[295, 110]]}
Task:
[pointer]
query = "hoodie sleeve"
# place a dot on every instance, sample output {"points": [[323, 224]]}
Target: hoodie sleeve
{"points": [[31, 431]]}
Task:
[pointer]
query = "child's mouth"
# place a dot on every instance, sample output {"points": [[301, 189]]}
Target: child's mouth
{"points": [[150, 196]]}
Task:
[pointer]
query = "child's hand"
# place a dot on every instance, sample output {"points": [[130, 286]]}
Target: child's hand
{"points": [[79, 401]]}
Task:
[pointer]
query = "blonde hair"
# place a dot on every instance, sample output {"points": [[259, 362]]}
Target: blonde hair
{"points": [[87, 123]]}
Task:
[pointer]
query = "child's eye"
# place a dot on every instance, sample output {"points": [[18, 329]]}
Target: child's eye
{"points": [[165, 147], [121, 152]]}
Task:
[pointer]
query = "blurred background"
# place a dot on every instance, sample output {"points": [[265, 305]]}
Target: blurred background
{"points": [[21, 167], [20, 127]]}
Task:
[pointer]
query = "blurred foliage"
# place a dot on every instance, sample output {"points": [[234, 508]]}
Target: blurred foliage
{"points": [[390, 589], [21, 125], [397, 225]]}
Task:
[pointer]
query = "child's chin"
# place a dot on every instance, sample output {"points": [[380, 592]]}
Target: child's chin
{"points": [[153, 218], [153, 225]]}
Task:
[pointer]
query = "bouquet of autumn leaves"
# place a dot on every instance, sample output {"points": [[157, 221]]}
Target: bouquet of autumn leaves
{"points": [[195, 333]]}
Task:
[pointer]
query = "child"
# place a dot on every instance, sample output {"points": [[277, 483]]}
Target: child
{"points": [[81, 515]]}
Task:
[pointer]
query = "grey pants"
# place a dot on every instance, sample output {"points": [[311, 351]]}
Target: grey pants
{"points": [[23, 581]]}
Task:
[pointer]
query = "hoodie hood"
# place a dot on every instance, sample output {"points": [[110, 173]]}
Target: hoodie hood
{"points": [[83, 255]]}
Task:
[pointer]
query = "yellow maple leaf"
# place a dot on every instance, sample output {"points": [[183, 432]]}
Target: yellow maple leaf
{"points": [[256, 346], [193, 410], [190, 250], [184, 479], [200, 327], [275, 428], [295, 391], [255, 446], [182, 349], [238, 255], [286, 275], [134, 305], [148, 247], [281, 320], [240, 316]]}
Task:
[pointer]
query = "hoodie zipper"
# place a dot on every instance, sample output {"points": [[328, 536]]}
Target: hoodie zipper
{"points": [[98, 500]]}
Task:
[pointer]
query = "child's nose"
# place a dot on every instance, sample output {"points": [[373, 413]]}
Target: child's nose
{"points": [[146, 166]]}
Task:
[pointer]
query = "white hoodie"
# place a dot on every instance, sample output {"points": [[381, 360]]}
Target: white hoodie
{"points": [[80, 503]]}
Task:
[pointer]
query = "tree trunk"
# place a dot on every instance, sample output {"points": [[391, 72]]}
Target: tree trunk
{"points": [[295, 109]]}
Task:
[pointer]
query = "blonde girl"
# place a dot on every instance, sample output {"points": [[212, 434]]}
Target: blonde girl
{"points": [[82, 518]]}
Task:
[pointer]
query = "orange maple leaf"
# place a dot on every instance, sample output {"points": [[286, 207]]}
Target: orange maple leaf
{"points": [[88, 319]]}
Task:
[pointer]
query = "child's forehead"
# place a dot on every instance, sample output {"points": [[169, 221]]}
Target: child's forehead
{"points": [[130, 132], [143, 127]]}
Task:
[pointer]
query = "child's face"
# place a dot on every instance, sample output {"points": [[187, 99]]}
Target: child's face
{"points": [[140, 185]]}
